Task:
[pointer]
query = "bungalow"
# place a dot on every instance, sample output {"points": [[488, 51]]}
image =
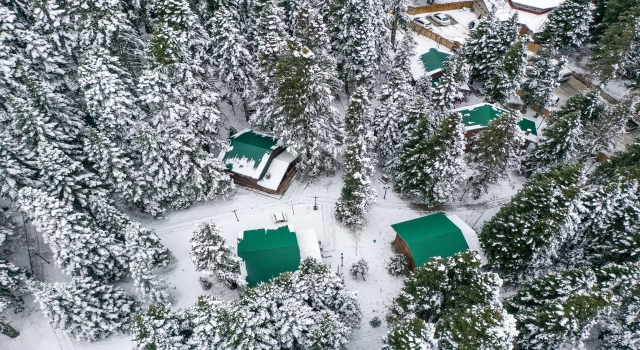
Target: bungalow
{"points": [[255, 160], [475, 118], [433, 62], [266, 253], [434, 235]]}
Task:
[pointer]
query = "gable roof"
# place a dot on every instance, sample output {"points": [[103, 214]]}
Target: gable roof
{"points": [[268, 252], [249, 154], [478, 116], [431, 235], [433, 60]]}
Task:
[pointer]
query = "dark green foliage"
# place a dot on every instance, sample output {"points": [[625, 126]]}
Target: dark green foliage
{"points": [[541, 79], [526, 235], [13, 283], [432, 167], [407, 335], [567, 27], [557, 308], [398, 265]]}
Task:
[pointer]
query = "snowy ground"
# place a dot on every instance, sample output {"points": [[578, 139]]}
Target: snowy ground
{"points": [[254, 210], [458, 30]]}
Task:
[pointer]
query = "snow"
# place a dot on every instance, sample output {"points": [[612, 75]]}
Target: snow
{"points": [[308, 244], [533, 21], [470, 236], [276, 171], [458, 31], [541, 4]]}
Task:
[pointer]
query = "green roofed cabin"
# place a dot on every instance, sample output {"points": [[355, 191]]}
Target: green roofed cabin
{"points": [[434, 235], [477, 117], [433, 62], [266, 253], [255, 160]]}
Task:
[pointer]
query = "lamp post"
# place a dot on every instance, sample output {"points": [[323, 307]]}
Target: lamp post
{"points": [[342, 262], [315, 203], [236, 215], [385, 191]]}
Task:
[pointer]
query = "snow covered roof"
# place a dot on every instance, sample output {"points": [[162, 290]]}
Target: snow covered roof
{"points": [[308, 244], [249, 154], [266, 253], [534, 21], [536, 5], [469, 235], [276, 171], [479, 115]]}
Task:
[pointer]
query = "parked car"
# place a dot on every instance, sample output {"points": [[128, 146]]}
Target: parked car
{"points": [[423, 22], [441, 19], [565, 74], [473, 24]]}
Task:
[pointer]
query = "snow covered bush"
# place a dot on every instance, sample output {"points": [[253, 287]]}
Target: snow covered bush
{"points": [[398, 265], [359, 269], [86, 309], [13, 283], [452, 303], [375, 322], [211, 254], [306, 309]]}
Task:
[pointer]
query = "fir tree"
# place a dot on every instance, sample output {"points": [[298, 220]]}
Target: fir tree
{"points": [[460, 301], [525, 237], [557, 309], [510, 73], [540, 81], [405, 53], [622, 323], [86, 309], [14, 282], [399, 19], [17, 168], [79, 247], [447, 90], [496, 151], [390, 120], [145, 254], [424, 87], [488, 43], [359, 41], [211, 254], [231, 55], [432, 167], [568, 25], [359, 269], [359, 119], [304, 120], [411, 333]]}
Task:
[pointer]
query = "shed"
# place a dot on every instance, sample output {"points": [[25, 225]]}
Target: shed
{"points": [[433, 62], [433, 235], [255, 160], [477, 117], [266, 253]]}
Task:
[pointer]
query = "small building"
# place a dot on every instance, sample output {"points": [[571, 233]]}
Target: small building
{"points": [[433, 62], [266, 253], [255, 160], [475, 118], [532, 14], [434, 235]]}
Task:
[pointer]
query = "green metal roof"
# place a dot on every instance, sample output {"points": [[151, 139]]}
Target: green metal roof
{"points": [[268, 253], [434, 59], [250, 145], [528, 125], [481, 115], [429, 236]]}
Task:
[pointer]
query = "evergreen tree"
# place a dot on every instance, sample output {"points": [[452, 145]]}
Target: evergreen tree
{"points": [[568, 25], [432, 167], [7, 226], [424, 87], [231, 55], [405, 53], [304, 120], [496, 151], [17, 168], [510, 73], [359, 40], [622, 323], [211, 254], [462, 302], [145, 252], [447, 90], [399, 19], [411, 333], [13, 283], [358, 194], [359, 119], [557, 309], [525, 237], [540, 81], [79, 247], [390, 118], [86, 309], [488, 43]]}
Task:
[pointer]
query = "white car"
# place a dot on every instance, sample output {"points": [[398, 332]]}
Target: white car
{"points": [[423, 22], [441, 19]]}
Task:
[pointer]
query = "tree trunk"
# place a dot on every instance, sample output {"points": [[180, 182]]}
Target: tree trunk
{"points": [[7, 330]]}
